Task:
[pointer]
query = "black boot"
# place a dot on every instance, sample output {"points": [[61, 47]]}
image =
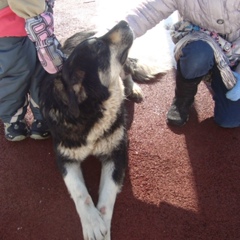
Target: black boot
{"points": [[184, 97]]}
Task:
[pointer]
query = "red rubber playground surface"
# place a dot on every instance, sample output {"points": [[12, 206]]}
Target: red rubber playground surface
{"points": [[181, 183]]}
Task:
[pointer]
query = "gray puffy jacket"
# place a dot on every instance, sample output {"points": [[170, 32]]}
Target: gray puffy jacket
{"points": [[221, 16]]}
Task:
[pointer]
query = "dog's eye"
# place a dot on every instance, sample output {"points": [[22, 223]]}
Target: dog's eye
{"points": [[99, 45]]}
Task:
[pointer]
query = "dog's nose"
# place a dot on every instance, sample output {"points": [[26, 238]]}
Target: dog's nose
{"points": [[123, 24], [118, 32]]}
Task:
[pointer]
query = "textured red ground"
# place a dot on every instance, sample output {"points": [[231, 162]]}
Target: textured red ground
{"points": [[182, 183]]}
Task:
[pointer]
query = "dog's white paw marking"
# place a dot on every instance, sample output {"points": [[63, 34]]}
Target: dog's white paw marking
{"points": [[94, 227], [106, 214]]}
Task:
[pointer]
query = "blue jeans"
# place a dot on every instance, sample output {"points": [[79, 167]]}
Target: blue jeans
{"points": [[196, 61]]}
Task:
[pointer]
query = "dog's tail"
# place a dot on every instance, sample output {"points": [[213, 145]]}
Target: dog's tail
{"points": [[152, 54], [143, 71]]}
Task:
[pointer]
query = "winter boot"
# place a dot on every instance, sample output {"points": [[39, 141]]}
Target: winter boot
{"points": [[184, 97]]}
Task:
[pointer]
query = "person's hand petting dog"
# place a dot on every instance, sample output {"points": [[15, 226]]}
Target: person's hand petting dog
{"points": [[234, 93]]}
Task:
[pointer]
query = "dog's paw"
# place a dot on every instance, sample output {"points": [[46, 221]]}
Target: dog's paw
{"points": [[106, 216], [136, 94], [94, 226]]}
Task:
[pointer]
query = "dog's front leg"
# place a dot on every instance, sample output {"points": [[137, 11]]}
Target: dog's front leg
{"points": [[92, 223], [132, 90], [107, 195]]}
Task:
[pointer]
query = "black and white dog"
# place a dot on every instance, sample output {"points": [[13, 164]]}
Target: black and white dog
{"points": [[84, 109]]}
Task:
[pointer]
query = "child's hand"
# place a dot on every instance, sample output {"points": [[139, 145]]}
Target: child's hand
{"points": [[234, 93], [40, 30], [50, 3]]}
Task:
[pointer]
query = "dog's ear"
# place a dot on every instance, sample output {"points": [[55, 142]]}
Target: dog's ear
{"points": [[73, 83]]}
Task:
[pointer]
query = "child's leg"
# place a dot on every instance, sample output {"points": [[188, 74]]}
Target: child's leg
{"points": [[17, 64], [36, 79], [226, 112], [196, 61], [17, 61], [39, 129]]}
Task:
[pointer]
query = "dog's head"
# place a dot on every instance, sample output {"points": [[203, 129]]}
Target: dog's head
{"points": [[96, 63], [100, 55], [115, 44]]}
